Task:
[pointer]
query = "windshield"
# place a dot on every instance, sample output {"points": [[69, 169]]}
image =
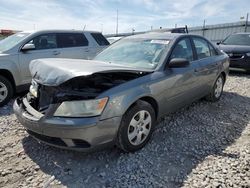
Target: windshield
{"points": [[143, 53], [239, 39], [11, 41]]}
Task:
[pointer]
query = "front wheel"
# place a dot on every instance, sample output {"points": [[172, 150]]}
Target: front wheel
{"points": [[6, 91], [136, 127], [217, 89]]}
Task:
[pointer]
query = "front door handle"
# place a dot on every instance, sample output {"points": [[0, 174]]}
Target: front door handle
{"points": [[56, 52]]}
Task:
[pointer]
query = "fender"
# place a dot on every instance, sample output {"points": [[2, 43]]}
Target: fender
{"points": [[129, 94], [12, 67]]}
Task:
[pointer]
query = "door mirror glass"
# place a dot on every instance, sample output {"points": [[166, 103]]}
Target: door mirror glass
{"points": [[178, 63], [27, 47]]}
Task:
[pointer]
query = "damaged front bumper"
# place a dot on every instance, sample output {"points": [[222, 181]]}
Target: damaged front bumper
{"points": [[84, 134]]}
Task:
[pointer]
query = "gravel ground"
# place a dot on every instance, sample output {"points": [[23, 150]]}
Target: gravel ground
{"points": [[203, 145]]}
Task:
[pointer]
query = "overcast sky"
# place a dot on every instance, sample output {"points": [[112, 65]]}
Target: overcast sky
{"points": [[101, 14]]}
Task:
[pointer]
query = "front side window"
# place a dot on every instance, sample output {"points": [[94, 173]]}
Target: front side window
{"points": [[100, 39], [202, 48], [237, 39], [183, 49], [43, 42], [138, 53], [67, 40]]}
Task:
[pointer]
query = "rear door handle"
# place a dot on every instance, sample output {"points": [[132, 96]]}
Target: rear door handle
{"points": [[56, 52]]}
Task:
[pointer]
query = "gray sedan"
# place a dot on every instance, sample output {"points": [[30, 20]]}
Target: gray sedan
{"points": [[117, 98]]}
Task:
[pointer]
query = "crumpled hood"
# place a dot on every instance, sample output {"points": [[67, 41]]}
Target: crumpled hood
{"points": [[234, 48], [55, 71]]}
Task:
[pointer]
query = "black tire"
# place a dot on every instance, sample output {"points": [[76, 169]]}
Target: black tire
{"points": [[10, 90], [123, 140], [212, 97]]}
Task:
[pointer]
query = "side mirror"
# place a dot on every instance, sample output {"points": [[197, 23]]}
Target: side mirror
{"points": [[178, 63], [218, 43], [28, 47]]}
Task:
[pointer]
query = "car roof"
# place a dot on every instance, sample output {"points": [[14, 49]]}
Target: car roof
{"points": [[60, 31], [157, 35], [241, 33]]}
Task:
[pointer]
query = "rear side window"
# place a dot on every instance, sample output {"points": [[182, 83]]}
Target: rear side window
{"points": [[183, 49], [100, 39], [213, 52], [67, 40], [202, 48]]}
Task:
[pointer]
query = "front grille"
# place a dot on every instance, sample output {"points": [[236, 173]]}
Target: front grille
{"points": [[236, 55], [81, 143], [47, 139], [78, 143]]}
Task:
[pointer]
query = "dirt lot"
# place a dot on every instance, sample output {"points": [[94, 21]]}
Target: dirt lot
{"points": [[204, 145]]}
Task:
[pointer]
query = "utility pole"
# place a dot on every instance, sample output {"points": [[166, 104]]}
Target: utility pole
{"points": [[246, 23], [203, 30], [117, 22], [101, 28], [133, 30]]}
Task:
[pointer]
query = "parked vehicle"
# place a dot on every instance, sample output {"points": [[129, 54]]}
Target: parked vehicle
{"points": [[113, 39], [18, 50], [118, 97], [237, 46]]}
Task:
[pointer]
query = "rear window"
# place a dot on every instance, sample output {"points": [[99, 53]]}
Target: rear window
{"points": [[66, 40], [100, 39], [202, 48]]}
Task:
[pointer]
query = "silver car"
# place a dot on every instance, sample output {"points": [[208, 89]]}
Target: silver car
{"points": [[117, 98], [16, 52]]}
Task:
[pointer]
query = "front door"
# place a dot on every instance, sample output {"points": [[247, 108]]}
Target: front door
{"points": [[45, 47], [181, 85]]}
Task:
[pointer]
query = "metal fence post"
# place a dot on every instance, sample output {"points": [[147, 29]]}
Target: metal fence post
{"points": [[246, 23]]}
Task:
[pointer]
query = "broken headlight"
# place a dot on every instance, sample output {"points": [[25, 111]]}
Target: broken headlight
{"points": [[85, 108]]}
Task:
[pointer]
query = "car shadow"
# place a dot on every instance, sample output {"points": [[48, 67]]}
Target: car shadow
{"points": [[181, 141], [240, 73]]}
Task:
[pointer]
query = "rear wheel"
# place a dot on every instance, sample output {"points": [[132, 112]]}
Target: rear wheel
{"points": [[136, 127], [217, 89], [6, 91]]}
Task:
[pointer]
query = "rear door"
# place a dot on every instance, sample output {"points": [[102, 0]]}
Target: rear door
{"points": [[98, 42], [208, 60], [73, 45]]}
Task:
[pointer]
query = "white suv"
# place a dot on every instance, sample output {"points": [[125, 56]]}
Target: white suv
{"points": [[18, 50]]}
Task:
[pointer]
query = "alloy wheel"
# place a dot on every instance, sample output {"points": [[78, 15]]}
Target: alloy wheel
{"points": [[218, 87], [3, 92], [139, 127]]}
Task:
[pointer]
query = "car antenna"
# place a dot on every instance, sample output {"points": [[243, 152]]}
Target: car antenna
{"points": [[186, 28]]}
